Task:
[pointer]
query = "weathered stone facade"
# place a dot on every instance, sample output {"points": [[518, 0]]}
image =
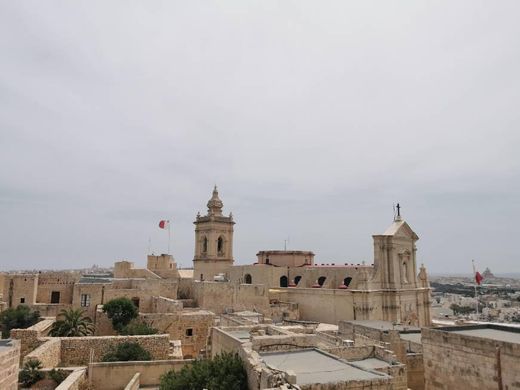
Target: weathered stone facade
{"points": [[461, 361], [9, 364]]}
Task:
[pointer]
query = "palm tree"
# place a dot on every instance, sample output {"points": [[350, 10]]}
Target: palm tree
{"points": [[73, 323]]}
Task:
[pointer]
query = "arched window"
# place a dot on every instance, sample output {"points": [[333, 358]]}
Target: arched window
{"points": [[220, 246], [405, 272], [205, 245], [248, 279], [347, 281], [297, 279], [321, 280], [284, 281]]}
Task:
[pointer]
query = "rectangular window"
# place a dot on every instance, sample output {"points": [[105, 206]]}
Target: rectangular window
{"points": [[22, 300], [189, 332], [55, 297], [85, 300]]}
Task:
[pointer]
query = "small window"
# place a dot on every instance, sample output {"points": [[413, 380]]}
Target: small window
{"points": [[267, 260], [135, 301], [284, 281], [22, 300], [189, 332], [85, 300], [321, 280], [347, 281], [55, 297], [297, 279], [248, 279], [204, 245]]}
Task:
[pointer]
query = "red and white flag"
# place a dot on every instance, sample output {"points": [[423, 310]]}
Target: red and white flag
{"points": [[164, 224]]}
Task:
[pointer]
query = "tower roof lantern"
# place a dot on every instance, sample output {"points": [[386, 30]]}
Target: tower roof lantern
{"points": [[215, 204]]}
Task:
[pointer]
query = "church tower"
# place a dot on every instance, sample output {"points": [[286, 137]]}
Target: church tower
{"points": [[213, 241]]}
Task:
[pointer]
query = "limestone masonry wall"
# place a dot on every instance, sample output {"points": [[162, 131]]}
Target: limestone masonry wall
{"points": [[116, 375], [75, 351], [9, 364], [456, 361], [49, 353]]}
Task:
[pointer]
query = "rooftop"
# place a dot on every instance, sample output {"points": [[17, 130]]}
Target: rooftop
{"points": [[314, 366], [385, 325], [493, 332]]}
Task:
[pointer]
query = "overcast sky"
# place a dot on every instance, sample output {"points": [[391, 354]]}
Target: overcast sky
{"points": [[313, 118]]}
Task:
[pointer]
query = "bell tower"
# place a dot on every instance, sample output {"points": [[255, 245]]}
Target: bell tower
{"points": [[213, 241]]}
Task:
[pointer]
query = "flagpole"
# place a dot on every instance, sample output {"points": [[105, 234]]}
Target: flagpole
{"points": [[168, 237], [475, 281]]}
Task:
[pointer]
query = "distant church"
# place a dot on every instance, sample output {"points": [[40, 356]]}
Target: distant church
{"points": [[390, 289]]}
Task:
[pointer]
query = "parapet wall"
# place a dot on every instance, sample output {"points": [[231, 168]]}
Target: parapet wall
{"points": [[75, 351], [9, 364], [116, 375], [458, 361]]}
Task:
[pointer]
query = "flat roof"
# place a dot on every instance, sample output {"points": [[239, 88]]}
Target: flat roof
{"points": [[490, 333], [384, 325], [413, 337], [313, 366], [239, 334], [371, 363]]}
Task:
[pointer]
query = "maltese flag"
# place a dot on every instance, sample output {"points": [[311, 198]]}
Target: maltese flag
{"points": [[164, 224]]}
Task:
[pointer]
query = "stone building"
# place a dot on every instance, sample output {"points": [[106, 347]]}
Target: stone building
{"points": [[391, 288]]}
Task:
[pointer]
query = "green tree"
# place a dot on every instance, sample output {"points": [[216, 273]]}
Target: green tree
{"points": [[72, 323], [20, 318], [125, 352], [224, 372], [137, 327], [31, 373], [58, 376], [121, 311]]}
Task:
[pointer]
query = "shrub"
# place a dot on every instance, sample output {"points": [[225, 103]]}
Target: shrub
{"points": [[58, 376], [72, 323], [121, 311], [20, 318], [30, 373], [136, 327], [224, 372], [125, 352]]}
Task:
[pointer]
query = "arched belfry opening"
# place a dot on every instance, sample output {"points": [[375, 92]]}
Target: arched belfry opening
{"points": [[220, 246], [284, 281]]}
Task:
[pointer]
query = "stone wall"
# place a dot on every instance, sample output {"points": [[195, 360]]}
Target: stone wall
{"points": [[30, 337], [62, 282], [75, 351], [191, 327], [9, 364], [74, 380], [116, 375], [49, 353], [283, 342], [457, 361], [166, 305], [220, 297], [415, 371], [221, 342]]}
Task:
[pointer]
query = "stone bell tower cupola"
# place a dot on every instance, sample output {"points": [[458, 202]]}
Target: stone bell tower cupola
{"points": [[213, 241]]}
